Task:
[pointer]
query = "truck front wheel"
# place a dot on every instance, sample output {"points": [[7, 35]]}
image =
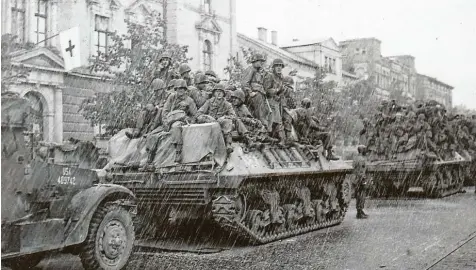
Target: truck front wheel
{"points": [[110, 239]]}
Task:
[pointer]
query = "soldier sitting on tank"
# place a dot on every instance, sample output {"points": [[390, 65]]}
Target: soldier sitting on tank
{"points": [[164, 71], [212, 77], [185, 74], [217, 109], [249, 128], [147, 120], [308, 129], [201, 92], [178, 110]]}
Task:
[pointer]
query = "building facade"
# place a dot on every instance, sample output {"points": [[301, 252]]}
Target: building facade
{"points": [[393, 73], [433, 89], [324, 52], [208, 27], [302, 67]]}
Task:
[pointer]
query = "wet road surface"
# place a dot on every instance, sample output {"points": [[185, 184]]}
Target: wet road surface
{"points": [[400, 234]]}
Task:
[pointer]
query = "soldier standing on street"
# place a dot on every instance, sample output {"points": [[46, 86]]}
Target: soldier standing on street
{"points": [[274, 86], [360, 169], [252, 84]]}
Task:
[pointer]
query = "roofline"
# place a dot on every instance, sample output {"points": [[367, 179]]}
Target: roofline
{"points": [[359, 39], [436, 80], [301, 61]]}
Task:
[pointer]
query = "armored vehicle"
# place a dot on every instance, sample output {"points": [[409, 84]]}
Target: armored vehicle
{"points": [[415, 173], [261, 194], [50, 207]]}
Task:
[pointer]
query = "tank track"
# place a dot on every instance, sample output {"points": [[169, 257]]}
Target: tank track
{"points": [[257, 222], [437, 181]]}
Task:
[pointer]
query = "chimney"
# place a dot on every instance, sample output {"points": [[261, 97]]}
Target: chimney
{"points": [[262, 34], [274, 38]]}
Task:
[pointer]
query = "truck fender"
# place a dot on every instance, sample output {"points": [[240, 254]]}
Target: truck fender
{"points": [[84, 204]]}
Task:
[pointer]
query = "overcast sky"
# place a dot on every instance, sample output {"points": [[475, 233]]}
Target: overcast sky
{"points": [[441, 34]]}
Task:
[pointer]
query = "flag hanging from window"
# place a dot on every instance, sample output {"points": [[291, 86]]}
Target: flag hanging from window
{"points": [[69, 40]]}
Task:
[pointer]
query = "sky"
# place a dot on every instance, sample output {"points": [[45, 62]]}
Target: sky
{"points": [[441, 34]]}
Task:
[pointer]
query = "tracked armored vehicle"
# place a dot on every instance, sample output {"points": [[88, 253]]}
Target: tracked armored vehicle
{"points": [[261, 194], [414, 173]]}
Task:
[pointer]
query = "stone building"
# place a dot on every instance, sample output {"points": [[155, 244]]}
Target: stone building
{"points": [[324, 52], [431, 88], [304, 68], [207, 27], [392, 73], [395, 73]]}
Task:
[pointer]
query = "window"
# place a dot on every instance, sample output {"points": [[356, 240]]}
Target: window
{"points": [[40, 19], [333, 66], [18, 19], [100, 34], [207, 55], [208, 6]]}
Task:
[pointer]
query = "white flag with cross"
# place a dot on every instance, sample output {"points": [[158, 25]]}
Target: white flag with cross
{"points": [[70, 44]]}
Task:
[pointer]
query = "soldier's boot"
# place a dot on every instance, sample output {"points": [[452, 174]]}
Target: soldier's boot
{"points": [[282, 138], [149, 166], [178, 153], [289, 137], [361, 214], [330, 155], [228, 141]]}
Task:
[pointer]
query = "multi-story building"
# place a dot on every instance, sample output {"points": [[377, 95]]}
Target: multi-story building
{"points": [[207, 27], [324, 52], [432, 89], [304, 68], [390, 74], [393, 73], [300, 56]]}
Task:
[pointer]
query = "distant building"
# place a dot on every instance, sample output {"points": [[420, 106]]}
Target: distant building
{"points": [[432, 89], [324, 52], [393, 73], [207, 27]]}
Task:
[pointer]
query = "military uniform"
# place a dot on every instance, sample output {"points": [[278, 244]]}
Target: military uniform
{"points": [[252, 84], [172, 119], [220, 110], [360, 170]]}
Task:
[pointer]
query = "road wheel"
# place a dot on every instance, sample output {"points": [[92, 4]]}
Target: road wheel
{"points": [[110, 239], [25, 262]]}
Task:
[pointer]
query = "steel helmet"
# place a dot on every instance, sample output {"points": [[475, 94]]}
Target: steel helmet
{"points": [[219, 86], [201, 78], [165, 55], [306, 103], [257, 57], [157, 84], [361, 148], [239, 94], [230, 87], [288, 80], [179, 83], [277, 62], [171, 83], [211, 73], [184, 68]]}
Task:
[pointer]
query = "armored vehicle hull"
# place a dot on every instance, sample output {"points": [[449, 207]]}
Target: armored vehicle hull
{"points": [[431, 179], [260, 195]]}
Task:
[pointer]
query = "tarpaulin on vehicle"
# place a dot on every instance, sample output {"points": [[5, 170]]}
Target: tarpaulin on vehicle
{"points": [[199, 140]]}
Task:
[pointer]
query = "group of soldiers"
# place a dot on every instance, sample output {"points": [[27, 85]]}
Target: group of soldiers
{"points": [[260, 110], [428, 127]]}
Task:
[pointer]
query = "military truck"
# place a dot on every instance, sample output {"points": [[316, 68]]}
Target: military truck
{"points": [[260, 194], [50, 207]]}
